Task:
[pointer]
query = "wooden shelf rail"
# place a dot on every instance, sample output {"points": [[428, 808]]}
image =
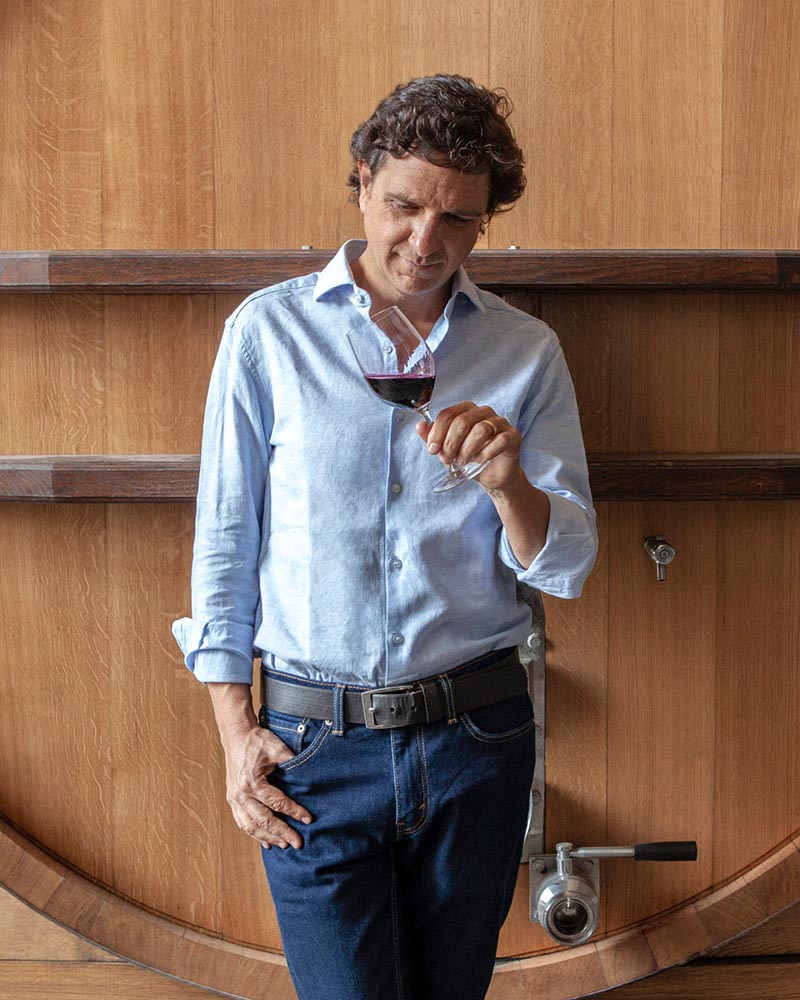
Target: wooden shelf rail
{"points": [[185, 271], [173, 478]]}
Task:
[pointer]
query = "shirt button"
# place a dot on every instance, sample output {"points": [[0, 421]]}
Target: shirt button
{"points": [[400, 416], [396, 564], [397, 488], [360, 299], [398, 639]]}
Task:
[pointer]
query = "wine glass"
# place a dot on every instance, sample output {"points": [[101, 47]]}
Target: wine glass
{"points": [[400, 369]]}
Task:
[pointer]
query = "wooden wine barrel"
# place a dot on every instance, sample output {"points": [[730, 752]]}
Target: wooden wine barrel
{"points": [[672, 707]]}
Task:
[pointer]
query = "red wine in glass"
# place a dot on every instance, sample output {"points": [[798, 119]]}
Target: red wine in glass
{"points": [[399, 367], [409, 391]]}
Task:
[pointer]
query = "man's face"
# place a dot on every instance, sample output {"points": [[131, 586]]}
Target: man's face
{"points": [[421, 221]]}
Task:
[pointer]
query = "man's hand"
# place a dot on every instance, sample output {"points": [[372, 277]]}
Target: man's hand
{"points": [[465, 432], [251, 755]]}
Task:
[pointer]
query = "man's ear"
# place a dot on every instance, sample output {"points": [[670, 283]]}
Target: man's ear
{"points": [[365, 178]]}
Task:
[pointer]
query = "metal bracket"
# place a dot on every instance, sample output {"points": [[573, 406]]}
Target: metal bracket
{"points": [[532, 654]]}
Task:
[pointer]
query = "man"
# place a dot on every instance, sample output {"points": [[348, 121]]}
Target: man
{"points": [[320, 548]]}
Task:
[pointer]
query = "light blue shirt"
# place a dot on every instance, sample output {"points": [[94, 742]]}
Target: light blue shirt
{"points": [[318, 542]]}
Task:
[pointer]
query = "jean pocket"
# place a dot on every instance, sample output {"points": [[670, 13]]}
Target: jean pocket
{"points": [[303, 736], [292, 729], [503, 721]]}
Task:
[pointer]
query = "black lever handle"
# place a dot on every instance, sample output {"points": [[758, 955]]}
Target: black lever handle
{"points": [[666, 850]]}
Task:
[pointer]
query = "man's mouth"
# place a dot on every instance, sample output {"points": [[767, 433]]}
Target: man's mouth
{"points": [[421, 265]]}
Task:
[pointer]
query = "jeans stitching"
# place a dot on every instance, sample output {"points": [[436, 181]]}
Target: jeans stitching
{"points": [[310, 750], [291, 735], [398, 831], [398, 968], [483, 737], [425, 784]]}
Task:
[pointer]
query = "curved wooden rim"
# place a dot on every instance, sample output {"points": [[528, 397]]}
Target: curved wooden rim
{"points": [[131, 932]]}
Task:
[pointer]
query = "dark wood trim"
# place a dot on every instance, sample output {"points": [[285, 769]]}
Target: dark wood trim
{"points": [[185, 271], [173, 478], [99, 478], [712, 476]]}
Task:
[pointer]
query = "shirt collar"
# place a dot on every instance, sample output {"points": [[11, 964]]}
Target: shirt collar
{"points": [[461, 284], [338, 274]]}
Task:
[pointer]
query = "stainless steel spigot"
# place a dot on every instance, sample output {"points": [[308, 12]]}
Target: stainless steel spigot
{"points": [[661, 552]]}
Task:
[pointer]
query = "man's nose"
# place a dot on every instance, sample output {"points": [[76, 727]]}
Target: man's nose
{"points": [[425, 236]]}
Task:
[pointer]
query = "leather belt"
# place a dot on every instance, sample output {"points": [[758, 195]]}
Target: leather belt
{"points": [[427, 700]]}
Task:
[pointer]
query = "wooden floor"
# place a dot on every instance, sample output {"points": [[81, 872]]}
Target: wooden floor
{"points": [[41, 961]]}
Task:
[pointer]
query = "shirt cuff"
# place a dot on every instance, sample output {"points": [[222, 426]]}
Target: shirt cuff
{"points": [[567, 557], [216, 651]]}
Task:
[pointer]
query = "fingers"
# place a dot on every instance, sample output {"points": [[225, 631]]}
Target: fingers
{"points": [[483, 444], [463, 432], [260, 815], [257, 805]]}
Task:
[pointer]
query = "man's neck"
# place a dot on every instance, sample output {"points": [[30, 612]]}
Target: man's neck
{"points": [[421, 310]]}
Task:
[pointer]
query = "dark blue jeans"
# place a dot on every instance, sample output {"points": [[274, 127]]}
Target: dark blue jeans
{"points": [[408, 869]]}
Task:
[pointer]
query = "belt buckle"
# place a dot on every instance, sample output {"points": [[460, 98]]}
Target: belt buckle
{"points": [[399, 713]]}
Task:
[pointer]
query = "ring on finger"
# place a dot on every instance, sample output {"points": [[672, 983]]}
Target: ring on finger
{"points": [[489, 422]]}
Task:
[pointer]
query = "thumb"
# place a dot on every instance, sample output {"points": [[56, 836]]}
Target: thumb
{"points": [[274, 748]]}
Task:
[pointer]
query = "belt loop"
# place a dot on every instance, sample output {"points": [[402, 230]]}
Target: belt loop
{"points": [[447, 687], [338, 710]]}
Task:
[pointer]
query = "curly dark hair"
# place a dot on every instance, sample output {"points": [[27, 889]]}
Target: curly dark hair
{"points": [[450, 121]]}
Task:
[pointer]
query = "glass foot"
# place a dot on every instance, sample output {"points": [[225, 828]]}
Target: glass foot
{"points": [[458, 474]]}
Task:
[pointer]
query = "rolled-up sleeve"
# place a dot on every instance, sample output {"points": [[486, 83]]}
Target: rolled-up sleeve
{"points": [[232, 519], [554, 461]]}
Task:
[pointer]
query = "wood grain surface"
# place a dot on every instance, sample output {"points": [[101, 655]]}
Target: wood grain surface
{"points": [[761, 124], [776, 980], [667, 123], [52, 379], [645, 124], [226, 126], [27, 936], [156, 62], [556, 61], [660, 717], [51, 121]]}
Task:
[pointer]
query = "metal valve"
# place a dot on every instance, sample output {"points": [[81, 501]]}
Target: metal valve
{"points": [[661, 552], [565, 887]]}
